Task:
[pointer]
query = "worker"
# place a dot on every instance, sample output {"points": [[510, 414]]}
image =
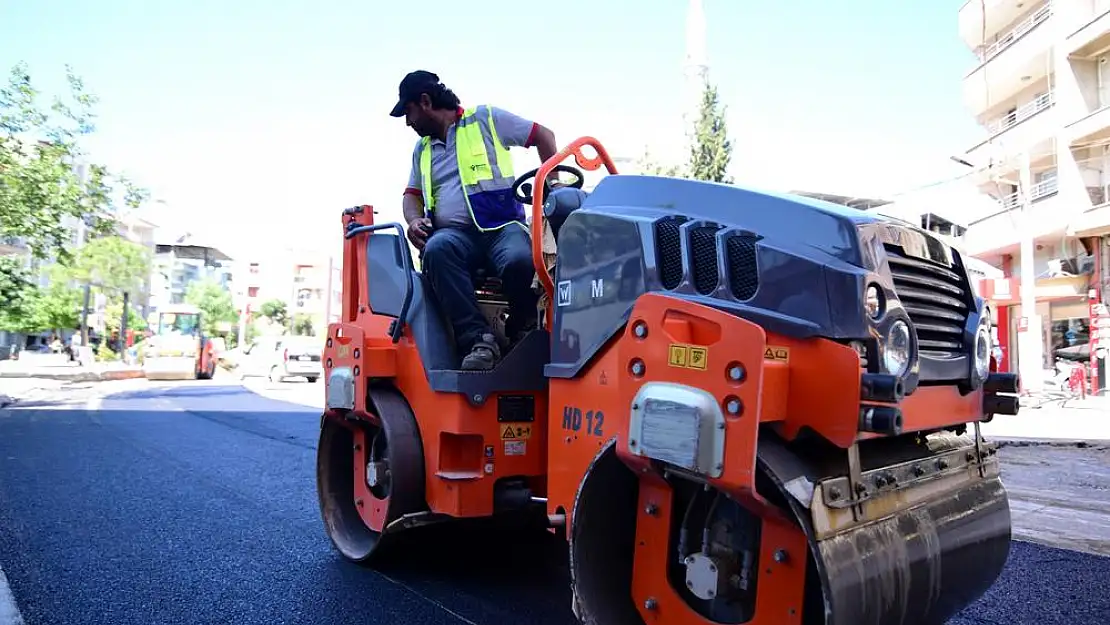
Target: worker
{"points": [[463, 223]]}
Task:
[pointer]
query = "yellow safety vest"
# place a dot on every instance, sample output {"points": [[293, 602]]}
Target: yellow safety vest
{"points": [[485, 171]]}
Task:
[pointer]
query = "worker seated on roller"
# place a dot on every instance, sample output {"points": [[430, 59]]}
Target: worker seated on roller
{"points": [[461, 223]]}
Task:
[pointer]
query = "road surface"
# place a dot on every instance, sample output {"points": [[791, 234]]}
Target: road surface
{"points": [[195, 503]]}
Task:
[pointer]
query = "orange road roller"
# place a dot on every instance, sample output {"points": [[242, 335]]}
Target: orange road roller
{"points": [[737, 406]]}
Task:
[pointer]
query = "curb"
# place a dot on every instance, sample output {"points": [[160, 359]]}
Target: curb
{"points": [[84, 376], [1013, 441]]}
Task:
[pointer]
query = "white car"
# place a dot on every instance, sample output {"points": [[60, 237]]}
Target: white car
{"points": [[282, 357]]}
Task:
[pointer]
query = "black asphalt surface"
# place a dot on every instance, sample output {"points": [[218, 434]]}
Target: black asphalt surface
{"points": [[196, 504]]}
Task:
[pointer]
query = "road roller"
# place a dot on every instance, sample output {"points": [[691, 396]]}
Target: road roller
{"points": [[737, 407]]}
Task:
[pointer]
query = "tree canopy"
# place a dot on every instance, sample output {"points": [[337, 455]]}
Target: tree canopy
{"points": [[710, 149], [20, 295], [214, 302], [112, 262], [45, 176]]}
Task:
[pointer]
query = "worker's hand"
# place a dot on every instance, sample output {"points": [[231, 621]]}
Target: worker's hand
{"points": [[418, 232]]}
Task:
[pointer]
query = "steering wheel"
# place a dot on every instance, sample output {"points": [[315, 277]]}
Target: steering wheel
{"points": [[522, 189]]}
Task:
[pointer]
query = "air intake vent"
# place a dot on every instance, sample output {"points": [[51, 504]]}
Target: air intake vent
{"points": [[743, 276], [935, 298], [668, 250], [703, 243]]}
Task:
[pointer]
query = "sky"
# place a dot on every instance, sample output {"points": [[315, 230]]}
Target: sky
{"points": [[255, 123]]}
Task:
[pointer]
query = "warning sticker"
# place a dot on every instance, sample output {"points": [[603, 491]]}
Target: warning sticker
{"points": [[677, 355], [687, 356], [515, 448], [698, 356], [781, 354], [516, 431]]}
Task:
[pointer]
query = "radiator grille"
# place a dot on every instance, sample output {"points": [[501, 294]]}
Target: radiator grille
{"points": [[739, 257], [743, 276], [668, 250], [935, 297], [703, 242]]}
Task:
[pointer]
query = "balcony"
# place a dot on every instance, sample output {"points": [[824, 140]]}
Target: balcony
{"points": [[1094, 128], [1091, 35], [1007, 65], [998, 13], [1029, 127], [1002, 230]]}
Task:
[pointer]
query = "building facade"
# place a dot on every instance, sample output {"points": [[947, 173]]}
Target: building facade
{"points": [[1040, 89], [308, 282]]}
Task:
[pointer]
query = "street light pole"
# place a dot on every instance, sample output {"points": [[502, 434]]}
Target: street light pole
{"points": [[1031, 339]]}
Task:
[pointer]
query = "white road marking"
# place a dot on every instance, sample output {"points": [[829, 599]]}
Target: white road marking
{"points": [[9, 613]]}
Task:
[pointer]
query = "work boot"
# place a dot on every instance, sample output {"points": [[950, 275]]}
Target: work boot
{"points": [[484, 355]]}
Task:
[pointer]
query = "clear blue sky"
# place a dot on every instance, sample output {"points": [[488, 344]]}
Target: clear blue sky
{"points": [[275, 114]]}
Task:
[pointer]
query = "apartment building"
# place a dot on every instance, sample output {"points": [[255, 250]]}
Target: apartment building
{"points": [[308, 282], [180, 260], [1040, 88]]}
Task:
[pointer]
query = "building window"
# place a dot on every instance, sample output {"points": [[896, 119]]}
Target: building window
{"points": [[252, 291]]}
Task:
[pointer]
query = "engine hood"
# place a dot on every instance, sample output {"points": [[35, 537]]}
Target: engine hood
{"points": [[793, 223]]}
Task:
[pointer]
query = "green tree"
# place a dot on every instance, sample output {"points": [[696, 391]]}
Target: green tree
{"points": [[276, 310], [59, 304], [214, 302], [648, 165], [112, 262], [113, 314], [19, 294], [710, 149], [302, 325], [39, 185]]}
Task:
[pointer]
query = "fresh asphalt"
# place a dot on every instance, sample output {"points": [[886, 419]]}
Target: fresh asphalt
{"points": [[196, 503]]}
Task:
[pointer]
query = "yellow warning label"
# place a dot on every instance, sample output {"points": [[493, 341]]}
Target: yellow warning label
{"points": [[687, 356], [781, 354], [516, 431], [698, 356], [677, 355], [343, 351]]}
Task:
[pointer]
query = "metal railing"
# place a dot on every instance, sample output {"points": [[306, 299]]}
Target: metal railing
{"points": [[988, 52], [1037, 191], [1042, 103]]}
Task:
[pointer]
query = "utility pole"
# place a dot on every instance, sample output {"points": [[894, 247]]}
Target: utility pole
{"points": [[1031, 340], [85, 315], [123, 324]]}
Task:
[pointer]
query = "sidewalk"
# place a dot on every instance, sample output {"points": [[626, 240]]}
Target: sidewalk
{"points": [[1081, 420], [58, 367]]}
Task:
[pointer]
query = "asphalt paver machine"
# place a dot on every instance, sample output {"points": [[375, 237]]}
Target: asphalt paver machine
{"points": [[739, 407]]}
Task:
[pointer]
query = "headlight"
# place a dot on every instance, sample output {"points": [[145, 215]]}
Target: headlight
{"points": [[982, 352], [896, 350]]}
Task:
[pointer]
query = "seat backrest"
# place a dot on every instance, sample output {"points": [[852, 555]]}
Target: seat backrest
{"points": [[559, 204], [385, 277]]}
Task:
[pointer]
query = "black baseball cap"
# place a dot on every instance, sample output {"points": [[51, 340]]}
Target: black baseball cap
{"points": [[414, 84]]}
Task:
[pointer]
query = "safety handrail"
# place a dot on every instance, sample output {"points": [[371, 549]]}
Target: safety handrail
{"points": [[406, 260], [574, 148]]}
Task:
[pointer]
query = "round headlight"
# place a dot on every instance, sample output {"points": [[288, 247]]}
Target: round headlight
{"points": [[896, 351], [983, 351], [873, 301]]}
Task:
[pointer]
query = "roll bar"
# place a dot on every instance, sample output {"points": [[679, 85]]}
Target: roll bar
{"points": [[574, 148]]}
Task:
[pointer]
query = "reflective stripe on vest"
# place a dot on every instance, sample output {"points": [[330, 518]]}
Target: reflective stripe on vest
{"points": [[485, 171]]}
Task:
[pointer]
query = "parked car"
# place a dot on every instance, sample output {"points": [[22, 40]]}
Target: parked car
{"points": [[282, 357]]}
